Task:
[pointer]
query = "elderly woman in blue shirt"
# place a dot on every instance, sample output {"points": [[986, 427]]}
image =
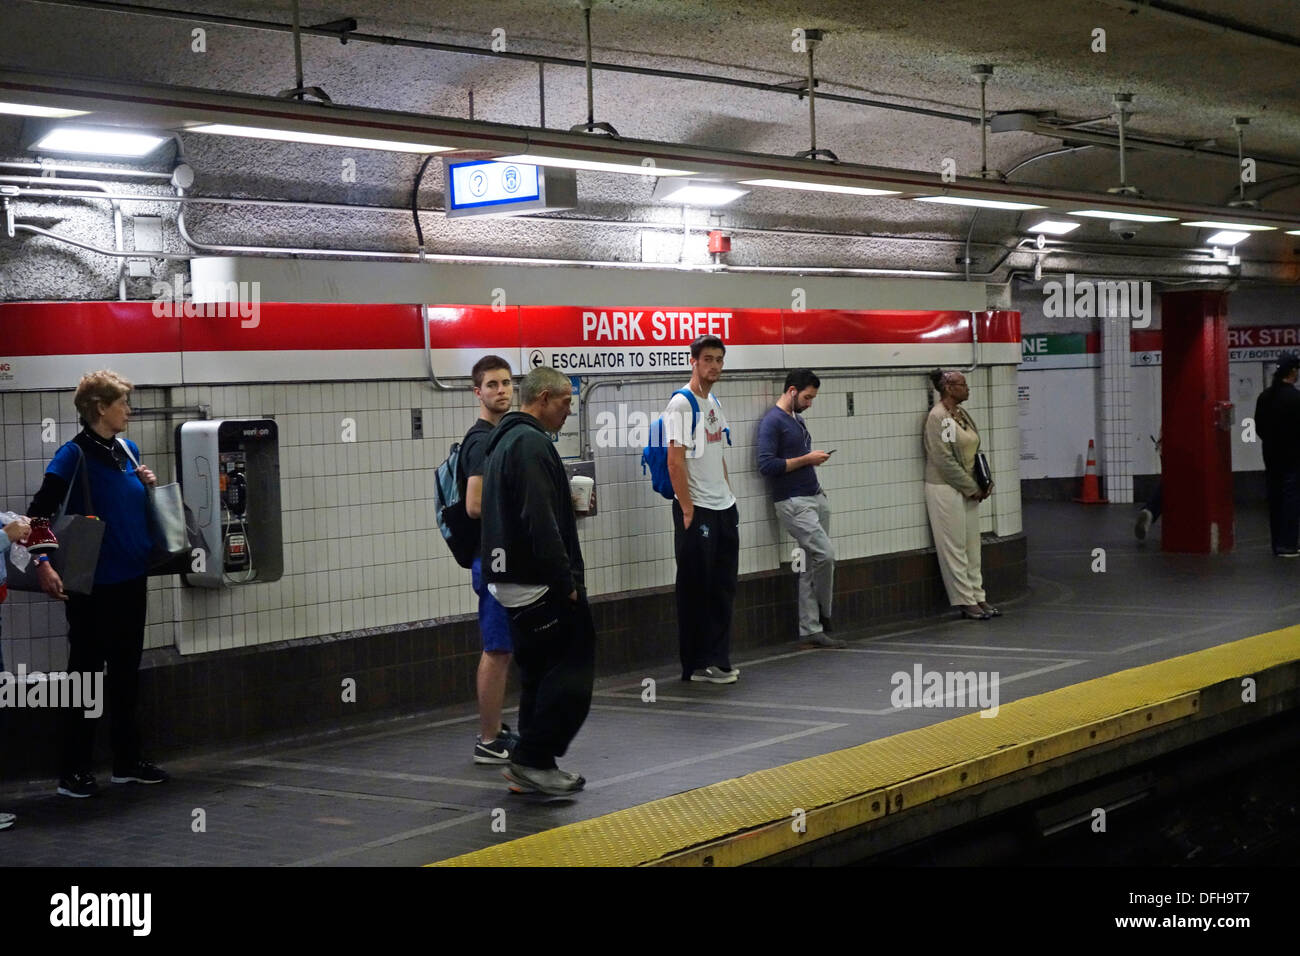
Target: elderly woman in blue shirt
{"points": [[107, 625]]}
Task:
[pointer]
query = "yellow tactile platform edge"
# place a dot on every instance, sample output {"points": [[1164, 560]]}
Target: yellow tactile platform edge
{"points": [[843, 789]]}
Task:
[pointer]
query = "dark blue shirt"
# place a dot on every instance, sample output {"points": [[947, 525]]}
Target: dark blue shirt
{"points": [[782, 436], [119, 500]]}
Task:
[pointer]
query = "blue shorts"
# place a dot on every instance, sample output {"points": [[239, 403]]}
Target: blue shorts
{"points": [[493, 621]]}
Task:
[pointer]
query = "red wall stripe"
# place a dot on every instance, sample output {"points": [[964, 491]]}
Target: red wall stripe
{"points": [[87, 328]]}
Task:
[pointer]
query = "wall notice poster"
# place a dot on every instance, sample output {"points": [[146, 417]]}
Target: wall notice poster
{"points": [[1030, 422], [568, 442]]}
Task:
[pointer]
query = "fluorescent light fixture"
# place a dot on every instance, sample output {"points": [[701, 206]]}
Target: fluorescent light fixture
{"points": [[1293, 232], [982, 203], [1125, 216], [1237, 226], [52, 112], [595, 165], [1054, 227], [317, 139], [820, 187], [98, 141], [697, 192], [1226, 238]]}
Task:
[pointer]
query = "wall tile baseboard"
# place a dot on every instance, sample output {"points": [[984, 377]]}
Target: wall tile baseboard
{"points": [[240, 696]]}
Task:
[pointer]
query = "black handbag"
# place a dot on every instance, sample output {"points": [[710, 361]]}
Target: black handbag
{"points": [[983, 473], [79, 539]]}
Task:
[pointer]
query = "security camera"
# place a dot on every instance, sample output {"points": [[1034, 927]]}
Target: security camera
{"points": [[1125, 230]]}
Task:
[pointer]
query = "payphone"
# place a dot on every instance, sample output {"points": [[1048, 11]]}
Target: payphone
{"points": [[230, 478]]}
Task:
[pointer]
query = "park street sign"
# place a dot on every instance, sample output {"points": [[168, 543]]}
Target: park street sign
{"points": [[488, 188]]}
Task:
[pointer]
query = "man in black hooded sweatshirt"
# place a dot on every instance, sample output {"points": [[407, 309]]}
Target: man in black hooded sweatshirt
{"points": [[1277, 420], [533, 565]]}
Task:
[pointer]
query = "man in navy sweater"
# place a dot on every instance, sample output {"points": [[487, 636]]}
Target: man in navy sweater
{"points": [[786, 458]]}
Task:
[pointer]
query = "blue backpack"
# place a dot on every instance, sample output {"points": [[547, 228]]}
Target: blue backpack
{"points": [[458, 529], [655, 456]]}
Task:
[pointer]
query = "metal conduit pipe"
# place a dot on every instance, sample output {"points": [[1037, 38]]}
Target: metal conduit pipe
{"points": [[966, 259], [87, 184], [45, 182], [386, 40], [406, 210], [533, 260], [38, 231], [1062, 245], [357, 253], [428, 353], [95, 170]]}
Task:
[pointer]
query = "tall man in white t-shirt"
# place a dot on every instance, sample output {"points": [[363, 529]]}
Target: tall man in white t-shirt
{"points": [[706, 523]]}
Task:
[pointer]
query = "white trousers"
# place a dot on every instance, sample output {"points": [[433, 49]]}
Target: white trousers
{"points": [[955, 521]]}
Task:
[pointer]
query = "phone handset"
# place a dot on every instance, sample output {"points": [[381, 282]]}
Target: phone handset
{"points": [[237, 494]]}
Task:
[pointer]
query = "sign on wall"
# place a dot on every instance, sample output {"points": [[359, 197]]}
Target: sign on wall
{"points": [[1083, 349], [634, 340]]}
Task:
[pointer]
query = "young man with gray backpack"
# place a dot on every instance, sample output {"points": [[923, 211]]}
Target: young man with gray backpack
{"points": [[706, 522], [459, 498]]}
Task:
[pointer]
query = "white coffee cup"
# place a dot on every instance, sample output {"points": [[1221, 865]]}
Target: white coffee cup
{"points": [[580, 487]]}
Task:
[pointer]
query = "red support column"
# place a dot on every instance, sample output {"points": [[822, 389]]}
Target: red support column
{"points": [[1197, 421]]}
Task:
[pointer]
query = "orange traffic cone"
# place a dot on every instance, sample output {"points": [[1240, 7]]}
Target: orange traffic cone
{"points": [[1091, 490]]}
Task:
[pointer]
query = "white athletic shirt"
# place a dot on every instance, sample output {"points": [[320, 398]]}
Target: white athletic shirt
{"points": [[705, 449], [509, 594]]}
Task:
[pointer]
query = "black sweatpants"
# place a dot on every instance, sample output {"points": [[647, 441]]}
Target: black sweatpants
{"points": [[106, 627], [1283, 485], [555, 649], [708, 560]]}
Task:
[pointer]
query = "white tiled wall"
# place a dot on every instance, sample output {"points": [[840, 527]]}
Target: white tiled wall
{"points": [[361, 545], [1117, 405]]}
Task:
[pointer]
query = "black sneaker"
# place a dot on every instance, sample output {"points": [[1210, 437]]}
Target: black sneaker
{"points": [[494, 751], [7, 820], [79, 785], [140, 772]]}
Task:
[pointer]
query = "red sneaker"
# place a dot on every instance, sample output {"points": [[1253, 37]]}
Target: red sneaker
{"points": [[41, 540]]}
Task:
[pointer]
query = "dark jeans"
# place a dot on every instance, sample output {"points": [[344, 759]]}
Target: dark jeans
{"points": [[106, 627], [708, 559], [1157, 502], [1283, 507], [555, 648]]}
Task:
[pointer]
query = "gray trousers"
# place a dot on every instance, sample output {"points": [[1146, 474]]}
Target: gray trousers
{"points": [[808, 520]]}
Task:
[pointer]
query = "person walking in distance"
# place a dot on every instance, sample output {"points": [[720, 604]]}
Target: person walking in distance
{"points": [[786, 458], [706, 522], [494, 388], [1277, 420], [533, 565]]}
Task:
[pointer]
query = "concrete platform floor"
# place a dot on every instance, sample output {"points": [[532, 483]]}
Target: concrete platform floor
{"points": [[404, 791]]}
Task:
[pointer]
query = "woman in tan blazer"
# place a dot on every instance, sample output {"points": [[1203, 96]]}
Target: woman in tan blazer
{"points": [[953, 496]]}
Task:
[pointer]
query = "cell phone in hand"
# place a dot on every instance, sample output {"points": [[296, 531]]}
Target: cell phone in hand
{"points": [[832, 451]]}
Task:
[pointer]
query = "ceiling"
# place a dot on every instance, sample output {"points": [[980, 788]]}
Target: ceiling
{"points": [[1191, 66]]}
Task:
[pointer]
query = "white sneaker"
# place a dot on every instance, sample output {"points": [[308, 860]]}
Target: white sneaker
{"points": [[7, 820], [716, 675], [1143, 523]]}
